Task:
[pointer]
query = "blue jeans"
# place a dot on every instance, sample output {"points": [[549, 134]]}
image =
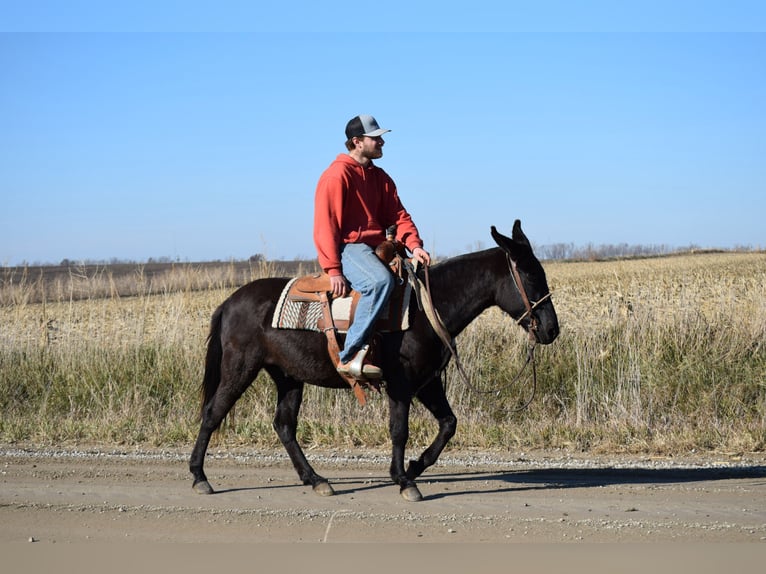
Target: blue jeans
{"points": [[368, 275]]}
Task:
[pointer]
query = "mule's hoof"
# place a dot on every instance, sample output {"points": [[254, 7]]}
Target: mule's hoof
{"points": [[323, 489], [203, 487], [411, 494]]}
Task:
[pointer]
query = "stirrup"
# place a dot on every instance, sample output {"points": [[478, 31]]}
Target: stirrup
{"points": [[358, 369]]}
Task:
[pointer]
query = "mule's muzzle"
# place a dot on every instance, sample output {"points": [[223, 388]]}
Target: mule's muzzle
{"points": [[548, 335], [540, 319], [545, 328]]}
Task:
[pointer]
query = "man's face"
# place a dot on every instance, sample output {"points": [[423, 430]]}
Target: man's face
{"points": [[371, 148]]}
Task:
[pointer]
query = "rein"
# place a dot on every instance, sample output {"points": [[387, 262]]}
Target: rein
{"points": [[426, 303]]}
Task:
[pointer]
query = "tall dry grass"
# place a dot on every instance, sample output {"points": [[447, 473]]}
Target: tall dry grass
{"points": [[655, 355]]}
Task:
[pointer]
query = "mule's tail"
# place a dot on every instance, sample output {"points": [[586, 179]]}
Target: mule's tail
{"points": [[212, 377]]}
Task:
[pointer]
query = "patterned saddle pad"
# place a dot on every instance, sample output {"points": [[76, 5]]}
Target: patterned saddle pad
{"points": [[303, 310]]}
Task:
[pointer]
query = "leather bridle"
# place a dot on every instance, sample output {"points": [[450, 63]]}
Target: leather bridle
{"points": [[529, 305]]}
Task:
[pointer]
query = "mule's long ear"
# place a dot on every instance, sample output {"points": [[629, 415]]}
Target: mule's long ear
{"points": [[518, 234], [511, 245], [505, 243], [500, 239]]}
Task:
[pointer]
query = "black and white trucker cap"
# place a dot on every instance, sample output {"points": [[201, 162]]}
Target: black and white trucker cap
{"points": [[363, 125]]}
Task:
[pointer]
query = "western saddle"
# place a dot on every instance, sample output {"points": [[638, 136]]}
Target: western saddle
{"points": [[317, 288]]}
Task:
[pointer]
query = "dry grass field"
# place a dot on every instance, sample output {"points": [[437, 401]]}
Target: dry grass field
{"points": [[656, 355]]}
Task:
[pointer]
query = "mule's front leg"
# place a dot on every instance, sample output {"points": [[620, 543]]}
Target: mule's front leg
{"points": [[398, 426], [435, 400]]}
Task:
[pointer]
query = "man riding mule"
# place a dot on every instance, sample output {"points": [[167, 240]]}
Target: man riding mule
{"points": [[243, 341], [355, 203]]}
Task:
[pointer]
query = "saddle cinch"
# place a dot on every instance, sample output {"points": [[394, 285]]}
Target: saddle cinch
{"points": [[306, 303]]}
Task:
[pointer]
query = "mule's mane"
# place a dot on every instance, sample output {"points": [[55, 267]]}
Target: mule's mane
{"points": [[463, 286], [449, 270]]}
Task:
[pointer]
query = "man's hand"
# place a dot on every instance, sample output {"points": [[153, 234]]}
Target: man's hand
{"points": [[339, 285], [422, 256]]}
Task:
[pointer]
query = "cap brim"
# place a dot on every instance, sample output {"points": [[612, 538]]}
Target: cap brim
{"points": [[376, 133]]}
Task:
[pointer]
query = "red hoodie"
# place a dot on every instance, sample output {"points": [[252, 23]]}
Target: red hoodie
{"points": [[355, 204]]}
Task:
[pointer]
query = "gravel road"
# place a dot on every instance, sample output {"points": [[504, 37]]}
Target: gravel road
{"points": [[93, 495]]}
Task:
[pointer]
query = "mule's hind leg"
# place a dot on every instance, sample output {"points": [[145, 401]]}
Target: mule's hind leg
{"points": [[213, 414], [236, 374], [289, 398], [197, 459], [435, 400]]}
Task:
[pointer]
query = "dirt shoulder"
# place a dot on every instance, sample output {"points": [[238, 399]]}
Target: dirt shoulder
{"points": [[109, 496]]}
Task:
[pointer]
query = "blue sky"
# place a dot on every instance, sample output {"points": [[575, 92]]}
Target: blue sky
{"points": [[199, 145]]}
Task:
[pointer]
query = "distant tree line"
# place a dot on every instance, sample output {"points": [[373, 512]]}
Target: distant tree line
{"points": [[590, 252], [552, 252], [115, 261]]}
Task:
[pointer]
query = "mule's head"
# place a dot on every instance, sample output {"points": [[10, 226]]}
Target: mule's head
{"points": [[525, 295]]}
